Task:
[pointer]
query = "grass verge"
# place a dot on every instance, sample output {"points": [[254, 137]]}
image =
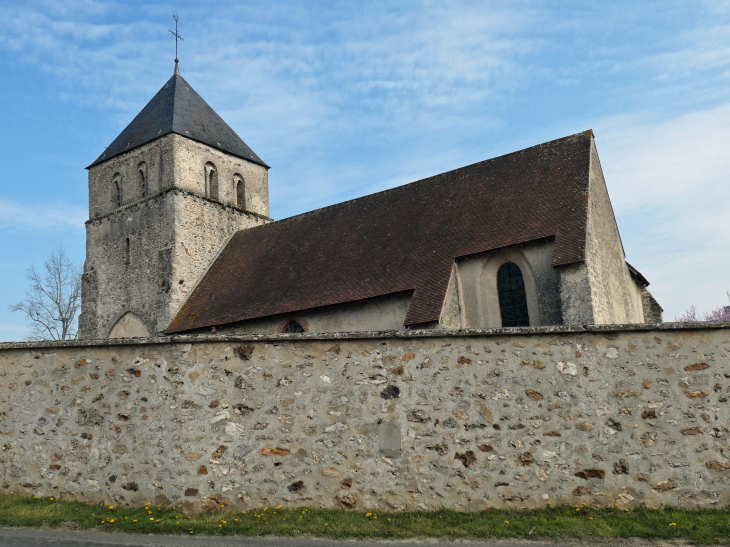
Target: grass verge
{"points": [[550, 523]]}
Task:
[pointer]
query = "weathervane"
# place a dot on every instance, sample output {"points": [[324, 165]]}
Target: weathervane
{"points": [[177, 37]]}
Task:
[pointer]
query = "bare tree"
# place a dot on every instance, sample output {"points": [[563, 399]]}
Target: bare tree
{"points": [[53, 299]]}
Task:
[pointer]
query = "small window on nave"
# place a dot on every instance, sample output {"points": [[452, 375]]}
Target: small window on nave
{"points": [[294, 326], [512, 296]]}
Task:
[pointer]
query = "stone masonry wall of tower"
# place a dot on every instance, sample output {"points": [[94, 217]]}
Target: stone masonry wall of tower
{"points": [[144, 255]]}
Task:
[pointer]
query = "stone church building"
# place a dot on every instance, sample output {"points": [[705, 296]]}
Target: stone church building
{"points": [[179, 240]]}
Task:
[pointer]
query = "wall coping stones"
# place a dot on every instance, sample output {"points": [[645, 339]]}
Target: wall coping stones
{"points": [[360, 335]]}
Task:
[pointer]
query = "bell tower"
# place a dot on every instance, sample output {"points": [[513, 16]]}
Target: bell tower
{"points": [[164, 198]]}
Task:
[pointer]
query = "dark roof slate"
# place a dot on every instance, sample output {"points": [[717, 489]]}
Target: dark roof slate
{"points": [[403, 239], [177, 108]]}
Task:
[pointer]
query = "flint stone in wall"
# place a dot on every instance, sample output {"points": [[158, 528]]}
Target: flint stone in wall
{"points": [[89, 417]]}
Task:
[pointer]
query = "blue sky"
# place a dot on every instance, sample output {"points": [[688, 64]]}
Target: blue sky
{"points": [[346, 98]]}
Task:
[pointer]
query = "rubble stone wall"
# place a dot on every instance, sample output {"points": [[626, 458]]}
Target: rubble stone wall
{"points": [[391, 420]]}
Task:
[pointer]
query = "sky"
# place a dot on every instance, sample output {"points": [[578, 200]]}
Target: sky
{"points": [[348, 98]]}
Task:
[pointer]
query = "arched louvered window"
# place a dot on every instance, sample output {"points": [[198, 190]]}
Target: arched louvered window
{"points": [[512, 298], [240, 194], [142, 179], [211, 181], [116, 191]]}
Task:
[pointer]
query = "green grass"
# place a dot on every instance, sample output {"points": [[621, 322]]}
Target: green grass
{"points": [[549, 523]]}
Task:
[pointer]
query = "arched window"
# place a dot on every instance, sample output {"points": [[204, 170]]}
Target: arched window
{"points": [[240, 192], [126, 252], [211, 181], [512, 298], [116, 191], [294, 326], [142, 179]]}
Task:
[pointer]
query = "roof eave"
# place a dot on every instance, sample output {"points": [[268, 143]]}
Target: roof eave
{"points": [[99, 161]]}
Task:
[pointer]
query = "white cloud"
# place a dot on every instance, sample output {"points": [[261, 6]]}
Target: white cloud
{"points": [[40, 217], [669, 185]]}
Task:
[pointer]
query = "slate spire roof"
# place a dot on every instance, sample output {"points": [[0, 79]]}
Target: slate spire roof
{"points": [[177, 108], [403, 239]]}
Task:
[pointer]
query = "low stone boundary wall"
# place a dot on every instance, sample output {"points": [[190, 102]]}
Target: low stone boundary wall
{"points": [[390, 421]]}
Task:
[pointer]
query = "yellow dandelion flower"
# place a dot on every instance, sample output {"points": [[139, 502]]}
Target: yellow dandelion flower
{"points": [[224, 522], [506, 522], [112, 520], [135, 520], [577, 508], [590, 518], [279, 506], [366, 514], [51, 498], [326, 524], [177, 523], [111, 507], [152, 518], [673, 524], [626, 510]]}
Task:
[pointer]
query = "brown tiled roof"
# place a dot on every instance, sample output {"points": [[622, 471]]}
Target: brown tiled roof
{"points": [[402, 239]]}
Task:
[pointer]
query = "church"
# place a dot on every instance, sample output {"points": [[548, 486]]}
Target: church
{"points": [[180, 240]]}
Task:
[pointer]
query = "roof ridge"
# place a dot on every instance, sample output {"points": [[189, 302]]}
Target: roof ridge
{"points": [[588, 132]]}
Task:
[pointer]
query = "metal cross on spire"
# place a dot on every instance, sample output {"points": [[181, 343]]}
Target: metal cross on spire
{"points": [[177, 38]]}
